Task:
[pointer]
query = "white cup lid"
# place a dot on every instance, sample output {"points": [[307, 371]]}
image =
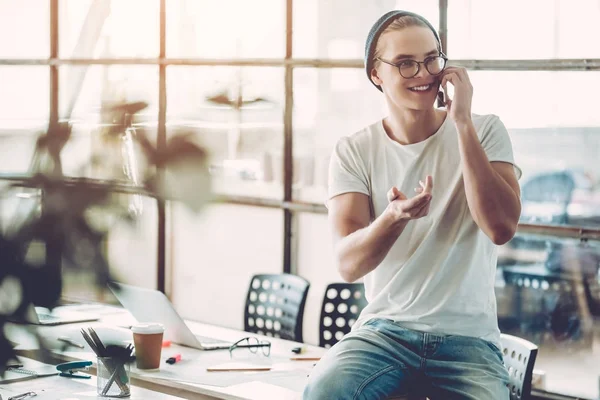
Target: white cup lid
{"points": [[148, 328]]}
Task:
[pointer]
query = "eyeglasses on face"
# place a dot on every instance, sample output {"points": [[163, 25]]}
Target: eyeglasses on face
{"points": [[253, 344], [435, 65]]}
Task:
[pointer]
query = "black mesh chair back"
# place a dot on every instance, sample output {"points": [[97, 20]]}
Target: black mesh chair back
{"points": [[546, 301], [341, 307], [519, 357], [275, 305]]}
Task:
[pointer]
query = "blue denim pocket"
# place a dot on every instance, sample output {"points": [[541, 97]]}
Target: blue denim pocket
{"points": [[495, 349]]}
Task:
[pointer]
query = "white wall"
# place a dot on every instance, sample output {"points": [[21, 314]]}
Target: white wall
{"points": [[215, 253], [132, 248], [315, 263]]}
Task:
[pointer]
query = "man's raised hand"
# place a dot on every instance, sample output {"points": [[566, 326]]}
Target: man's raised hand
{"points": [[404, 208]]}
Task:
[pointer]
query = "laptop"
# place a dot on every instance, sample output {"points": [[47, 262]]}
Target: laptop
{"points": [[148, 305], [57, 316]]}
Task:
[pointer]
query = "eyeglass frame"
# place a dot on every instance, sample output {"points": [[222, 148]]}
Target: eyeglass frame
{"points": [[252, 347], [397, 65]]}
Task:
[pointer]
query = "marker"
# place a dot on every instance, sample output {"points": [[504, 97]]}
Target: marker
{"points": [[299, 350], [174, 359]]}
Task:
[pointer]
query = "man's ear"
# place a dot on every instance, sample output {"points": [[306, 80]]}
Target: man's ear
{"points": [[375, 77]]}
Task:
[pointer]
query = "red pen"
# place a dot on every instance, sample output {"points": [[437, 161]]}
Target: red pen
{"points": [[174, 359]]}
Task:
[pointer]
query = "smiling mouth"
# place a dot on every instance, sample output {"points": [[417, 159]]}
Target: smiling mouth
{"points": [[422, 88]]}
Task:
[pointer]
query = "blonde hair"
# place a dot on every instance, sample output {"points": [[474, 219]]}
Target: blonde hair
{"points": [[398, 24]]}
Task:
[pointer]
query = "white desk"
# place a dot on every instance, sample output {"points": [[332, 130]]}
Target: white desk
{"points": [[188, 378], [57, 387]]}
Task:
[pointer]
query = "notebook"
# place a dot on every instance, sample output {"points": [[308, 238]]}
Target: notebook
{"points": [[30, 369]]}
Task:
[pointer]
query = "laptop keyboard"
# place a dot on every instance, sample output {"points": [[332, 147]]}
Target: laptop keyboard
{"points": [[43, 317]]}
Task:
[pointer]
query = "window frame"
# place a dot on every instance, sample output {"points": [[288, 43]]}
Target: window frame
{"points": [[287, 205]]}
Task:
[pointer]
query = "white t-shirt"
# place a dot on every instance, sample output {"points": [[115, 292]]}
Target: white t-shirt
{"points": [[439, 275]]}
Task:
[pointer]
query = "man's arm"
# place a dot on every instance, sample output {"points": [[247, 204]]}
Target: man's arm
{"points": [[492, 190], [359, 247]]}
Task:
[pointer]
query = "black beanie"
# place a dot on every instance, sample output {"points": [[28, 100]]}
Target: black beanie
{"points": [[382, 23]]}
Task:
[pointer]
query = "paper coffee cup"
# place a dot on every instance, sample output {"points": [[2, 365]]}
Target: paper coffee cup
{"points": [[147, 339]]}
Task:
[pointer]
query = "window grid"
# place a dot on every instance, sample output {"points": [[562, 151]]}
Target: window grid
{"points": [[288, 205]]}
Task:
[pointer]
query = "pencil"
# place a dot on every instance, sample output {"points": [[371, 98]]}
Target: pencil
{"points": [[305, 358]]}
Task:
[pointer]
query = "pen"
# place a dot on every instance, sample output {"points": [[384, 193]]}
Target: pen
{"points": [[174, 359], [305, 358], [110, 381], [70, 342]]}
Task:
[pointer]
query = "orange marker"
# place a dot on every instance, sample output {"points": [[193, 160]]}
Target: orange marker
{"points": [[174, 359]]}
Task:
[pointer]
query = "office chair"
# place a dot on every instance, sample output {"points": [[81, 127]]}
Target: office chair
{"points": [[555, 187], [519, 358], [275, 305], [553, 302], [341, 307], [545, 198]]}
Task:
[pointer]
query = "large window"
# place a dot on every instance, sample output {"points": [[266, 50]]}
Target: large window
{"points": [[329, 103], [236, 112], [24, 29], [225, 30], [513, 29], [109, 29], [268, 87], [337, 29]]}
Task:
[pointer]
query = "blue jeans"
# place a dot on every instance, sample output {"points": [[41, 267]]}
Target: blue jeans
{"points": [[382, 359]]}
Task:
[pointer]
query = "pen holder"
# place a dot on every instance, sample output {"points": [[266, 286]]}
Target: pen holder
{"points": [[113, 378]]}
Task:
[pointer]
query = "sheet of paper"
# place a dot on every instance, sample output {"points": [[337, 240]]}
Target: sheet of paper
{"points": [[288, 375], [135, 395], [60, 388], [229, 378], [51, 388], [260, 390]]}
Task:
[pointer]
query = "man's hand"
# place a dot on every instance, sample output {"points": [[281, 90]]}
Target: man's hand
{"points": [[403, 208], [459, 108]]}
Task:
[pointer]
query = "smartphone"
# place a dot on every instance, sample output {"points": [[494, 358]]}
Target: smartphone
{"points": [[441, 97]]}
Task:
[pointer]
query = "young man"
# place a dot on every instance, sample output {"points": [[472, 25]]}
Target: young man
{"points": [[428, 260]]}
